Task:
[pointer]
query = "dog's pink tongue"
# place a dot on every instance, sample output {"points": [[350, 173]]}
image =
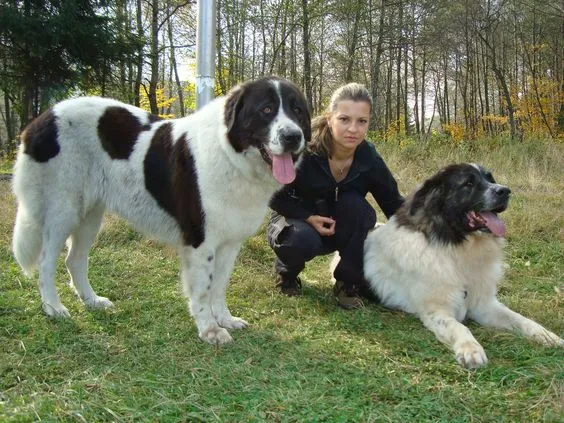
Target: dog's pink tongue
{"points": [[494, 223], [283, 168]]}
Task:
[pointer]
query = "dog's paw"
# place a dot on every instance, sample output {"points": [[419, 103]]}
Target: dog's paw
{"points": [[471, 355], [98, 302], [232, 322], [215, 336], [57, 311], [548, 338]]}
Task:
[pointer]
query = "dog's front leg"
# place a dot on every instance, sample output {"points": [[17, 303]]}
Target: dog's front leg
{"points": [[224, 261], [197, 277], [495, 314], [469, 353]]}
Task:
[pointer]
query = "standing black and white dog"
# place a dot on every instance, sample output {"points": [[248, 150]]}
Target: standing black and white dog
{"points": [[201, 183], [440, 258]]}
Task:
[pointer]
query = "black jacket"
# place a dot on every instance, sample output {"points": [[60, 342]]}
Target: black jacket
{"points": [[314, 181]]}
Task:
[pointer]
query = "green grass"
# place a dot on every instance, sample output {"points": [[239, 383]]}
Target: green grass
{"points": [[6, 163], [302, 359]]}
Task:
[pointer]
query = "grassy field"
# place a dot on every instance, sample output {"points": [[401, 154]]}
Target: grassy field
{"points": [[303, 359]]}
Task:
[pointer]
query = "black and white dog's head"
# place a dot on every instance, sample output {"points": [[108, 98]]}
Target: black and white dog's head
{"points": [[269, 115], [456, 202]]}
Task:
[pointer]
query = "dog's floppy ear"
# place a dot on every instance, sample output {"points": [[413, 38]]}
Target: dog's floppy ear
{"points": [[430, 190], [233, 105]]}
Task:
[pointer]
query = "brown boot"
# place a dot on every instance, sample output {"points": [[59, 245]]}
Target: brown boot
{"points": [[346, 297], [288, 286]]}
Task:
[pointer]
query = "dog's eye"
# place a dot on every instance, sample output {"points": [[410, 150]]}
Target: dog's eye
{"points": [[297, 110], [469, 183], [490, 178], [267, 110]]}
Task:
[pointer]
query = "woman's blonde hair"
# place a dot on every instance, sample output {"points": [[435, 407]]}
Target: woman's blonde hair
{"points": [[321, 137]]}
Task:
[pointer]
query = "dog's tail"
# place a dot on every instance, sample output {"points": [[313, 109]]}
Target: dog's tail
{"points": [[27, 241]]}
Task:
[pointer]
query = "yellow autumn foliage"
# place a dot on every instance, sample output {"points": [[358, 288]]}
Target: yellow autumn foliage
{"points": [[537, 109], [455, 130], [163, 101]]}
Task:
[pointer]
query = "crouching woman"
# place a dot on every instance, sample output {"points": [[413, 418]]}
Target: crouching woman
{"points": [[325, 208]]}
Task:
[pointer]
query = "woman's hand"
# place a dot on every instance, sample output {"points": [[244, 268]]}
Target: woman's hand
{"points": [[324, 225]]}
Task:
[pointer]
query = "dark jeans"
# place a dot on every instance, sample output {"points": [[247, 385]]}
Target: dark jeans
{"points": [[296, 242]]}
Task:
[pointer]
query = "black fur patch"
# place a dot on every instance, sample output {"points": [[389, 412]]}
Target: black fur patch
{"points": [[157, 168], [40, 137], [190, 214], [118, 130], [296, 107], [171, 178]]}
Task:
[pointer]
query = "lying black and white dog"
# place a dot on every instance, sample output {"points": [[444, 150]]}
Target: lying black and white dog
{"points": [[440, 258], [201, 183]]}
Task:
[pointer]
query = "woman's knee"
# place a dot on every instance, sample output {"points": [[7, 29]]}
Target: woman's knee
{"points": [[297, 235], [354, 212], [301, 235]]}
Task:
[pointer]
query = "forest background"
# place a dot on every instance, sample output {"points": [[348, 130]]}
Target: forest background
{"points": [[453, 81], [453, 69]]}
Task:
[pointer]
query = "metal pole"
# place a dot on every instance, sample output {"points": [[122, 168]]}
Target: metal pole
{"points": [[205, 52]]}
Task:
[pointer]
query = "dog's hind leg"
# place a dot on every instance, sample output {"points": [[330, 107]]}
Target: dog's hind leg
{"points": [[469, 353], [495, 314], [197, 277], [56, 230], [77, 259], [224, 261]]}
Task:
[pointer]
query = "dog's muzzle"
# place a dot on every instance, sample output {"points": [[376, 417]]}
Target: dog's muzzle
{"points": [[498, 199], [291, 140], [487, 219]]}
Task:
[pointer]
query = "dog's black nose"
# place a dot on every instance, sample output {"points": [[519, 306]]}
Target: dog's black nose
{"points": [[502, 191], [291, 139]]}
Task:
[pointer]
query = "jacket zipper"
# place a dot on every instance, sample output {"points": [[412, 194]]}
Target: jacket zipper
{"points": [[336, 193]]}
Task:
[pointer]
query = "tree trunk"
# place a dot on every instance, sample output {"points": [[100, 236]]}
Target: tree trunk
{"points": [[464, 86], [219, 43], [154, 82], [242, 35], [486, 92], [415, 90], [321, 78], [405, 90], [507, 97], [398, 66], [456, 87], [389, 116], [140, 56], [423, 85], [10, 127], [352, 43], [502, 83], [121, 17], [532, 69], [263, 33], [445, 90], [174, 67], [375, 71], [307, 55]]}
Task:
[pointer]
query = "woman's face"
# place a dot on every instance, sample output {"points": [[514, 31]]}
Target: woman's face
{"points": [[349, 124]]}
